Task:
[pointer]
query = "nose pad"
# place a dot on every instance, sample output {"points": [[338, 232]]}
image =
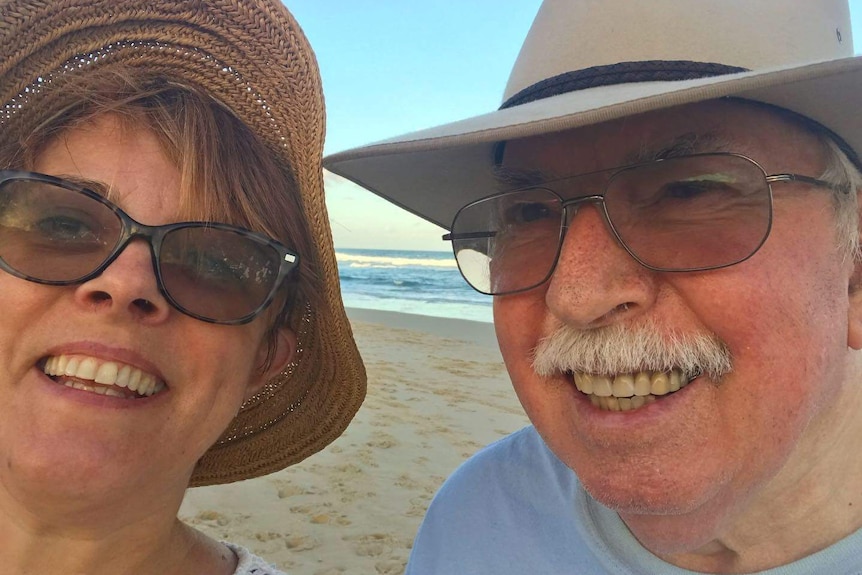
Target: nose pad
{"points": [[127, 286], [573, 207], [596, 281]]}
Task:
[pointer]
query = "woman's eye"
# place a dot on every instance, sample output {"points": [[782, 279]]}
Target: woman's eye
{"points": [[65, 228], [221, 267]]}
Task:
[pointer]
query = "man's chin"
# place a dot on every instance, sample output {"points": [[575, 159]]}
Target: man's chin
{"points": [[638, 503], [651, 496]]}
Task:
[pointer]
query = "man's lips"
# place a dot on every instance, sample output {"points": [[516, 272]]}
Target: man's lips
{"points": [[100, 376], [629, 391]]}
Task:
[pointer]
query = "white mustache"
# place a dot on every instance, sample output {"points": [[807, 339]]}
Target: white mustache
{"points": [[624, 349]]}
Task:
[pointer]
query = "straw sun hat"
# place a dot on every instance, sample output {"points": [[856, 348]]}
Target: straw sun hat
{"points": [[590, 61], [251, 56]]}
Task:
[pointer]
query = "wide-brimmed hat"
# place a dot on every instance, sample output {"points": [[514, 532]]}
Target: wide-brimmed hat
{"points": [[252, 57], [589, 61]]}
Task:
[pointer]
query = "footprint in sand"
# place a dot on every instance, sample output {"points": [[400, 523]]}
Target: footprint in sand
{"points": [[300, 543], [321, 516], [350, 469], [382, 440], [286, 490], [366, 457], [372, 544], [210, 516], [404, 480], [268, 536], [390, 567]]}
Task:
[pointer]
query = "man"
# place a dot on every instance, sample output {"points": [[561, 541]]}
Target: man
{"points": [[665, 208]]}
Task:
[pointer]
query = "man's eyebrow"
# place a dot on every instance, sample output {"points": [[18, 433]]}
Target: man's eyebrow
{"points": [[684, 145], [518, 178]]}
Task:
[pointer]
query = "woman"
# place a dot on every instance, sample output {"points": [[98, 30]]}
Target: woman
{"points": [[170, 313]]}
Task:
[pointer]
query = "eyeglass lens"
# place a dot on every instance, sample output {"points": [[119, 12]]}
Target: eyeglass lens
{"points": [[52, 234], [690, 213], [218, 274]]}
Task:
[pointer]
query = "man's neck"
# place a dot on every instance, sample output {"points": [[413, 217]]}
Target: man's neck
{"points": [[813, 502]]}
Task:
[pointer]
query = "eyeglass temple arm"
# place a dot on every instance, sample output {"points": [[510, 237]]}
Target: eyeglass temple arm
{"points": [[845, 189], [468, 236]]}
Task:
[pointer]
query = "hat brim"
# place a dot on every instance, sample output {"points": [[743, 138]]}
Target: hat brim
{"points": [[432, 173]]}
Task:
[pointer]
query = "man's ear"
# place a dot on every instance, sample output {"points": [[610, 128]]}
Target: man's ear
{"points": [[854, 318], [272, 358], [854, 311]]}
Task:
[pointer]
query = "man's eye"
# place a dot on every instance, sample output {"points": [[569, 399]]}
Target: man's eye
{"points": [[691, 189], [526, 213]]}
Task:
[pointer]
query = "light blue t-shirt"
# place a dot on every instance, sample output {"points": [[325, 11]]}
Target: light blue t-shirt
{"points": [[515, 509]]}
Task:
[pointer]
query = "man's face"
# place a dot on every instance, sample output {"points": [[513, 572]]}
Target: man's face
{"points": [[718, 446]]}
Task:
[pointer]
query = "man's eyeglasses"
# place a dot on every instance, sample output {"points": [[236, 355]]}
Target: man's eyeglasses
{"points": [[690, 213], [59, 233]]}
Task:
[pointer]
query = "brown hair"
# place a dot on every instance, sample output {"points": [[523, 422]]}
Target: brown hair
{"points": [[228, 174]]}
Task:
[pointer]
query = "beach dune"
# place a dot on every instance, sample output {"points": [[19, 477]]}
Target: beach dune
{"points": [[437, 392]]}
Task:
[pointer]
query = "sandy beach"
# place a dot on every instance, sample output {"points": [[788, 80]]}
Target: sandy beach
{"points": [[437, 392]]}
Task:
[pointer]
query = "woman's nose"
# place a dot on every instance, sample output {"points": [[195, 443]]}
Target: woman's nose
{"points": [[128, 286]]}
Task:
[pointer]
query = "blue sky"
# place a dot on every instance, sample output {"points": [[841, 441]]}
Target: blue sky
{"points": [[395, 66]]}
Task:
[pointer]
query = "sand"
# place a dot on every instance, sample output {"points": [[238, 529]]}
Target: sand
{"points": [[437, 392]]}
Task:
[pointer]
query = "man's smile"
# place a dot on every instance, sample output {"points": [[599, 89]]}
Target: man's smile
{"points": [[628, 391], [103, 377]]}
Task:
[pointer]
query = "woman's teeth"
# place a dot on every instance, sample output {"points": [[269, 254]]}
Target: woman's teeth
{"points": [[103, 377], [627, 391]]}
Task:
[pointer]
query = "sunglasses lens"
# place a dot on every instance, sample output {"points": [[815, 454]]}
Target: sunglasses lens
{"points": [[51, 233], [221, 275]]}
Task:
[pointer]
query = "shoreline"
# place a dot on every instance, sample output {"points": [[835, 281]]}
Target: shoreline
{"points": [[469, 330], [437, 393]]}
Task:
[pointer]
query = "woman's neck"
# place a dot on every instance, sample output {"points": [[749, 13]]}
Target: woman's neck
{"points": [[143, 536]]}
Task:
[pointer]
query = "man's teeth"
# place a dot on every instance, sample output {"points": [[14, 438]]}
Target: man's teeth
{"points": [[109, 374], [627, 391]]}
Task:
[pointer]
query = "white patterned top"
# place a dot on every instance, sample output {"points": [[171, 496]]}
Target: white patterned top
{"points": [[251, 564]]}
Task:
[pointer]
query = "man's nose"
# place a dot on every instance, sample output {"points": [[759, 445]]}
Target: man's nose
{"points": [[127, 287], [596, 282]]}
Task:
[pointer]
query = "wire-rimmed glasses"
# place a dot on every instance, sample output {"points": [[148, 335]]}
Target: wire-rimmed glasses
{"points": [[689, 213]]}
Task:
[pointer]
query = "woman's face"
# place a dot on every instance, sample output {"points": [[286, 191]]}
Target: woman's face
{"points": [[65, 438]]}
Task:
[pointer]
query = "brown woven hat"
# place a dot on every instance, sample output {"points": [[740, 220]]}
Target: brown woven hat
{"points": [[252, 57]]}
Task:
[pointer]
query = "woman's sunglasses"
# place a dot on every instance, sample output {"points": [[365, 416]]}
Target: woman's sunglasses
{"points": [[56, 232]]}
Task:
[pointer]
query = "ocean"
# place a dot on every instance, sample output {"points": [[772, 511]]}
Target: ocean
{"points": [[424, 283]]}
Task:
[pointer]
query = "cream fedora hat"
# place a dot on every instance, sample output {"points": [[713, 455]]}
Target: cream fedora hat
{"points": [[590, 61]]}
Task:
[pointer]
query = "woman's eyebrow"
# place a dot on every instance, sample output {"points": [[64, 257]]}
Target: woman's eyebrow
{"points": [[100, 188]]}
